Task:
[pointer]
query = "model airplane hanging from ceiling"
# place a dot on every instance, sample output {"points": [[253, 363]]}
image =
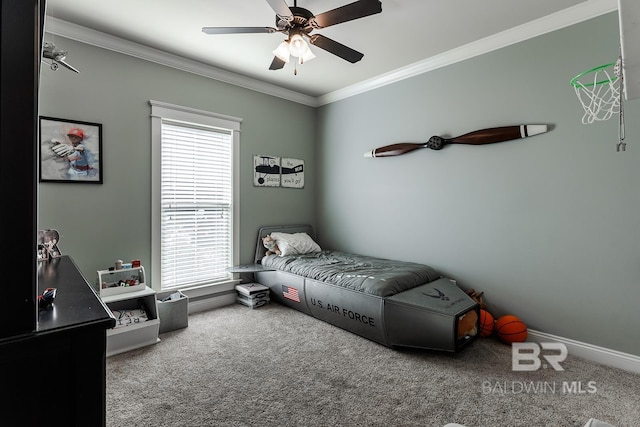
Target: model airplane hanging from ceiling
{"points": [[57, 57]]}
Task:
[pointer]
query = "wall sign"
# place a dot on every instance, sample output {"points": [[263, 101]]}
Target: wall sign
{"points": [[266, 171], [292, 172], [273, 171]]}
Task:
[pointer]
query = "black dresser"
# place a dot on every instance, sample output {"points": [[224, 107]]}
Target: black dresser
{"points": [[56, 375]]}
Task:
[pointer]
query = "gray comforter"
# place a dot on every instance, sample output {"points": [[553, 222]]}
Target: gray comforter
{"points": [[376, 276]]}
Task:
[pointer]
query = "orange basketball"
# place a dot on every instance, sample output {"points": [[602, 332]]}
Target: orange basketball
{"points": [[487, 323], [511, 329]]}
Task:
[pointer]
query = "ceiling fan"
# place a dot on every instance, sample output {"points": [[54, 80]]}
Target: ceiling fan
{"points": [[298, 23]]}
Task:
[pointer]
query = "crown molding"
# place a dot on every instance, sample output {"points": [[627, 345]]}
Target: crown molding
{"points": [[86, 35], [561, 19]]}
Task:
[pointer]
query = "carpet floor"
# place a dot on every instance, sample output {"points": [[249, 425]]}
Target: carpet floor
{"points": [[274, 366]]}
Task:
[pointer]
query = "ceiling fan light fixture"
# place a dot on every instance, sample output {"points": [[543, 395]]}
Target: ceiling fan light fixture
{"points": [[308, 56], [282, 51], [297, 46]]}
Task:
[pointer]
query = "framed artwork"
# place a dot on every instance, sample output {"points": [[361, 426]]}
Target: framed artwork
{"points": [[292, 173], [266, 171], [70, 151]]}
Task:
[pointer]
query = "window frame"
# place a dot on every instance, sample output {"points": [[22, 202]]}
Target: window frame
{"points": [[164, 111]]}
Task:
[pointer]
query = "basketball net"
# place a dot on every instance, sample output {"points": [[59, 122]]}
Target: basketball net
{"points": [[599, 90]]}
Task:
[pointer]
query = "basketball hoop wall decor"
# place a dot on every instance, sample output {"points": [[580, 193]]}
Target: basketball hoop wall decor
{"points": [[599, 91]]}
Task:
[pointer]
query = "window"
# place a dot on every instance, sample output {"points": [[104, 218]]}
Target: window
{"points": [[194, 203]]}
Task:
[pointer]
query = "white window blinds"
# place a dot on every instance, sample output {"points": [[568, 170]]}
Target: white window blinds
{"points": [[194, 192], [196, 203]]}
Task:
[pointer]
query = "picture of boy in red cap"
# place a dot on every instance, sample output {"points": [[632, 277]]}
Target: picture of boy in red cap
{"points": [[78, 159], [70, 151]]}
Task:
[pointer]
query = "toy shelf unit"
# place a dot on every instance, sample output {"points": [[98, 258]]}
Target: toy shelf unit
{"points": [[133, 304], [114, 282]]}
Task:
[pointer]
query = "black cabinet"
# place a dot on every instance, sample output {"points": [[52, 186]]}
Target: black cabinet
{"points": [[56, 375], [21, 24], [52, 363]]}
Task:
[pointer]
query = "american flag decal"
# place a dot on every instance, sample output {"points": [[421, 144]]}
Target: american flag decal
{"points": [[290, 293]]}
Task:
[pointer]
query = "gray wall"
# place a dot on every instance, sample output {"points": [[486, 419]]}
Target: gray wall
{"points": [[548, 227], [102, 223]]}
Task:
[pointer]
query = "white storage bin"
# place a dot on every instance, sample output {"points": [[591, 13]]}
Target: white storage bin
{"points": [[131, 337], [134, 335], [174, 313]]}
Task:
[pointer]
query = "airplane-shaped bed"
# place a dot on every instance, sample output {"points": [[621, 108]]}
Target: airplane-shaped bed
{"points": [[394, 303]]}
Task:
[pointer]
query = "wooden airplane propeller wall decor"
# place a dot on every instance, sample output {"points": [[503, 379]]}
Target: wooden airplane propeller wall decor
{"points": [[479, 137]]}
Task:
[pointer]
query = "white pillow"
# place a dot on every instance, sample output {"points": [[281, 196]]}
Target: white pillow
{"points": [[295, 244]]}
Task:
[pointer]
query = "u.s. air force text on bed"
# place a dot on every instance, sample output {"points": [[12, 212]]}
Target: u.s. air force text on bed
{"points": [[353, 315]]}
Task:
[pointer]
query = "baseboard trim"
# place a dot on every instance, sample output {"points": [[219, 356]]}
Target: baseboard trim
{"points": [[202, 298], [605, 356], [209, 303]]}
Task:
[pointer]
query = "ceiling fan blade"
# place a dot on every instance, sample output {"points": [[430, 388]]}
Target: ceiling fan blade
{"points": [[237, 30], [336, 48], [276, 64], [348, 12], [281, 9], [479, 137]]}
